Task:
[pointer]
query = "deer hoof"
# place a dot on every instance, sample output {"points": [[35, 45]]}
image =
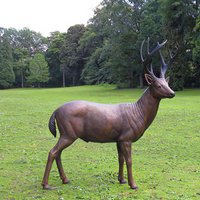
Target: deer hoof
{"points": [[65, 181], [134, 187], [47, 187], [122, 181]]}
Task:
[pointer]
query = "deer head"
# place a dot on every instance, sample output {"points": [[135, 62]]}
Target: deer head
{"points": [[159, 87]]}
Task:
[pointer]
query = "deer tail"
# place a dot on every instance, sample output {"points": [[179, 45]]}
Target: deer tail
{"points": [[52, 124]]}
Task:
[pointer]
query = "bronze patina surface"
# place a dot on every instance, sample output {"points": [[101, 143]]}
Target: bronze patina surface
{"points": [[122, 123]]}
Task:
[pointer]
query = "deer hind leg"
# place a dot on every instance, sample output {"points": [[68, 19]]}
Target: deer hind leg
{"points": [[54, 152], [126, 150], [63, 177], [121, 165]]}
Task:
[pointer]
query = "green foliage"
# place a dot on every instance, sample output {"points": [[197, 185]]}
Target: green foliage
{"points": [[107, 49], [38, 70], [24, 44], [7, 76], [31, 41], [91, 72], [71, 56], [52, 57], [179, 19], [123, 25], [165, 160], [151, 23], [115, 58], [196, 52], [21, 61]]}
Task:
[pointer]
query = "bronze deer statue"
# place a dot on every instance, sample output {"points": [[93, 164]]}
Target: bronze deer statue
{"points": [[121, 123]]}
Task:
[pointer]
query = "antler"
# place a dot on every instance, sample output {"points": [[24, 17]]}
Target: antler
{"points": [[148, 59], [165, 66]]}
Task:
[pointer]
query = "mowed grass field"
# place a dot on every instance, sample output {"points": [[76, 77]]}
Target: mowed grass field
{"points": [[166, 160]]}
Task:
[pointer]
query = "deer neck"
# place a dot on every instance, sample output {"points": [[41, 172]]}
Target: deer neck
{"points": [[148, 106]]}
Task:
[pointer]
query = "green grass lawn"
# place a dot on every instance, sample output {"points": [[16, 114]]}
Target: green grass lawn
{"points": [[166, 160]]}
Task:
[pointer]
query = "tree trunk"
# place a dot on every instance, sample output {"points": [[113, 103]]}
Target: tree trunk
{"points": [[73, 80], [22, 79], [63, 78], [141, 81]]}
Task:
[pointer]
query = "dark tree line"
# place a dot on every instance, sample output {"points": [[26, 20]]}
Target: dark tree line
{"points": [[107, 49], [22, 59]]}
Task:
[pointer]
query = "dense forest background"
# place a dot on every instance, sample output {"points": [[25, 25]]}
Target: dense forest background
{"points": [[106, 50]]}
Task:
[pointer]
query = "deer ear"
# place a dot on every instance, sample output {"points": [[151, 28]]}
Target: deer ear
{"points": [[148, 78], [167, 79]]}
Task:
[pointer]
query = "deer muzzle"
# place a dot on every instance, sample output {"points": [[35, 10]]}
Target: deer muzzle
{"points": [[171, 94]]}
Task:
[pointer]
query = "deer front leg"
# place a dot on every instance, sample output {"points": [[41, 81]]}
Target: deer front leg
{"points": [[121, 165], [126, 151]]}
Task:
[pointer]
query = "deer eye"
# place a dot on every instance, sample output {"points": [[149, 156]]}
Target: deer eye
{"points": [[159, 86]]}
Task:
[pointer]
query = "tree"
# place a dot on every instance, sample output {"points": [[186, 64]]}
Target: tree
{"points": [[71, 56], [32, 41], [24, 45], [116, 24], [38, 70], [179, 20], [7, 76], [20, 65], [52, 55], [107, 49], [196, 53], [91, 44], [96, 70]]}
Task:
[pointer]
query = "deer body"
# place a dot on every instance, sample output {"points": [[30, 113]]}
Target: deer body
{"points": [[93, 122], [121, 123]]}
